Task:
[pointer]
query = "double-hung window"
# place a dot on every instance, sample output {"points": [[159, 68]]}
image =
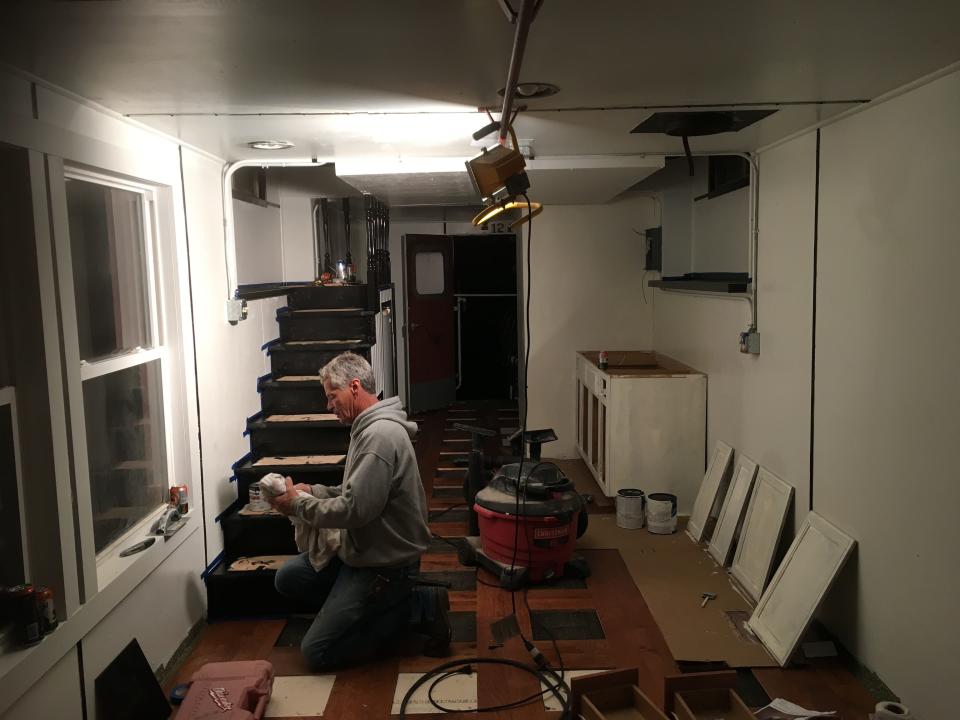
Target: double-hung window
{"points": [[115, 332]]}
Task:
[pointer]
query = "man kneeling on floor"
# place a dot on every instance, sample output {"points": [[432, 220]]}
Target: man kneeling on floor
{"points": [[370, 601]]}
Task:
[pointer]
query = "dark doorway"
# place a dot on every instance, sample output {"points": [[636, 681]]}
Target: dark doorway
{"points": [[461, 287], [485, 286]]}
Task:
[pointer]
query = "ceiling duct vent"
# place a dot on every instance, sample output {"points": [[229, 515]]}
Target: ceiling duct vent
{"points": [[694, 123]]}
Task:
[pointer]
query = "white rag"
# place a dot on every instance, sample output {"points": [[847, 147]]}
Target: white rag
{"points": [[320, 544]]}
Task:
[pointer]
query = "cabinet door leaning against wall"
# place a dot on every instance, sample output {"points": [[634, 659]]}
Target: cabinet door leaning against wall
{"points": [[641, 423]]}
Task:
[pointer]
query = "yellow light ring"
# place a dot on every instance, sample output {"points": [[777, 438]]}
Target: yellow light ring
{"points": [[535, 209]]}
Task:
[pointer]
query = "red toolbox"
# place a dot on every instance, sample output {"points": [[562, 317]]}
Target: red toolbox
{"points": [[228, 691]]}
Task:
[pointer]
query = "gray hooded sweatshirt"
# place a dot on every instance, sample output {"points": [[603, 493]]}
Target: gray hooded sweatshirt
{"points": [[381, 506]]}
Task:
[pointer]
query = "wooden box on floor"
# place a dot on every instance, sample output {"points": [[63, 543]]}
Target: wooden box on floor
{"points": [[712, 704], [624, 702]]}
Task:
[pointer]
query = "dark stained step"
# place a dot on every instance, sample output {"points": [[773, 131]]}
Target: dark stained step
{"points": [[329, 296], [297, 434], [306, 357], [301, 469], [246, 535], [326, 324], [291, 394], [235, 595]]}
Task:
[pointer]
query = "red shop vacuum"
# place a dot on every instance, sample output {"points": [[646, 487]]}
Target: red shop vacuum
{"points": [[529, 516]]}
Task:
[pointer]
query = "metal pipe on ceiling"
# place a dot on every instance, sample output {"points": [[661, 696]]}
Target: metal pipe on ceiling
{"points": [[524, 19]]}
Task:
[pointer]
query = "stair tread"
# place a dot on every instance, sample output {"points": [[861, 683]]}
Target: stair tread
{"points": [[298, 378], [301, 311], [345, 341], [300, 460], [301, 417]]}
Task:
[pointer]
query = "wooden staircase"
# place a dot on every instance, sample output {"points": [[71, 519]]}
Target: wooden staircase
{"points": [[293, 435]]}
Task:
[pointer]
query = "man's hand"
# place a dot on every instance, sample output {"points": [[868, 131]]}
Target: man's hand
{"points": [[303, 487], [284, 503]]}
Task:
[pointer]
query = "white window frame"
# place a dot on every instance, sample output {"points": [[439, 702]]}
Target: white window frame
{"points": [[99, 569]]}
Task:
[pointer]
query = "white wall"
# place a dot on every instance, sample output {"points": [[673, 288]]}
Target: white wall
{"points": [[57, 695], [760, 405], [258, 242], [229, 358], [587, 263], [297, 238], [887, 397], [887, 345]]}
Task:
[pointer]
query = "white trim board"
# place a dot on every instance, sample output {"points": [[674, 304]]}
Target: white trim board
{"points": [[731, 514], [766, 515], [802, 581], [717, 473]]}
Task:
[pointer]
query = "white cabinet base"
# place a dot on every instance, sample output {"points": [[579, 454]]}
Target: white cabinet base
{"points": [[642, 427]]}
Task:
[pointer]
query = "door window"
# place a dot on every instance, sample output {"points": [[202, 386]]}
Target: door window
{"points": [[428, 270]]}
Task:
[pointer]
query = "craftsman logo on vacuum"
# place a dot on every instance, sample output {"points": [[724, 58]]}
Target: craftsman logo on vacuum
{"points": [[219, 696], [550, 533]]}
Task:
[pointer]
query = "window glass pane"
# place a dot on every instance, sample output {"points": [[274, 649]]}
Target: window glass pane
{"points": [[11, 545], [109, 268], [429, 273], [125, 448]]}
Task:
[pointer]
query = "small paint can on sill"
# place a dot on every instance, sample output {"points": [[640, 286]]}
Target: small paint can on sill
{"points": [[630, 508], [662, 513]]}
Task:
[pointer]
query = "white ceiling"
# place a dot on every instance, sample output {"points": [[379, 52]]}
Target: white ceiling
{"points": [[205, 71]]}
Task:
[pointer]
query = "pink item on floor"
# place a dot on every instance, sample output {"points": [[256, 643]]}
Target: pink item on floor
{"points": [[228, 691]]}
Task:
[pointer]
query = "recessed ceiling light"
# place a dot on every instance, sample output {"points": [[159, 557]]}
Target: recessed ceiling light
{"points": [[270, 144], [533, 90]]}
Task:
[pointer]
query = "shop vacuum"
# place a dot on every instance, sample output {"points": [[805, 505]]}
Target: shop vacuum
{"points": [[525, 518]]}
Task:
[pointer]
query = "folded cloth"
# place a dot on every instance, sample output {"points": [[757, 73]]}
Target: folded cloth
{"points": [[320, 544]]}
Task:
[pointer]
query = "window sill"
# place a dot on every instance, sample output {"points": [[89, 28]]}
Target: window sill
{"points": [[110, 565]]}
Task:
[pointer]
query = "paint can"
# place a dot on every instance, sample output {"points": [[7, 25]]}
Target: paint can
{"points": [[630, 508], [662, 513], [46, 609], [26, 615], [892, 711]]}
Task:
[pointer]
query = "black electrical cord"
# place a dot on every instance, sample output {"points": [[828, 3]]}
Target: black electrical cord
{"points": [[445, 511], [560, 689]]}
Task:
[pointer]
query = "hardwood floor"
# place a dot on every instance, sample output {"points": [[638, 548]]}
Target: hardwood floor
{"points": [[630, 636]]}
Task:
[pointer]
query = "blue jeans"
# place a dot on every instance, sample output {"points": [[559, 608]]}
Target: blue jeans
{"points": [[363, 610]]}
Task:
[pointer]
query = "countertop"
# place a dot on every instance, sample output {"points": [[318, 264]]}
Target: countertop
{"points": [[638, 364]]}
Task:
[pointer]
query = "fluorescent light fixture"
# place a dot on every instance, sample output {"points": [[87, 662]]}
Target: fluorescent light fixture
{"points": [[399, 165], [270, 144]]}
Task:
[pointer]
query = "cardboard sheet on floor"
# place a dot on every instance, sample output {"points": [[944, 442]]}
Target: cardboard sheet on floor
{"points": [[457, 691], [300, 696], [672, 572]]}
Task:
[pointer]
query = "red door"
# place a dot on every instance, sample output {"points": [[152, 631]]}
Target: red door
{"points": [[430, 322]]}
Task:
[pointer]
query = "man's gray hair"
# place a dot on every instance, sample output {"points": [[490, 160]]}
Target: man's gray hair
{"points": [[344, 368]]}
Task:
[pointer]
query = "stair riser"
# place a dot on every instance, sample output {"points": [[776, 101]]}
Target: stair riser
{"points": [[267, 535], [292, 401], [305, 362], [299, 441], [305, 327], [245, 595], [327, 297]]}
